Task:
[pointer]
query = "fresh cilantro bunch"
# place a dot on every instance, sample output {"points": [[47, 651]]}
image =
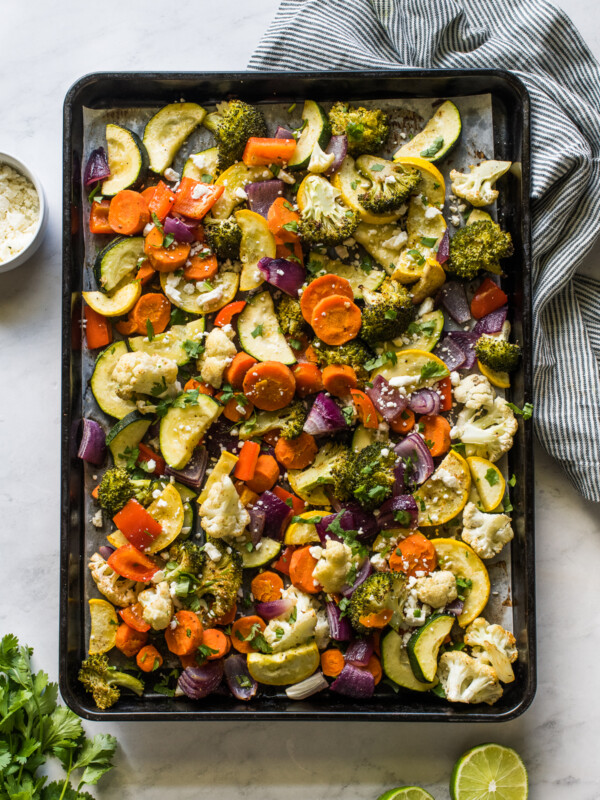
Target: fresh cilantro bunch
{"points": [[33, 728]]}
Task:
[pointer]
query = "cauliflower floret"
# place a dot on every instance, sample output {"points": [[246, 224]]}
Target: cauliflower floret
{"points": [[143, 373], [415, 612], [295, 626], [474, 391], [437, 589], [222, 514], [120, 591], [486, 432], [157, 606], [320, 161], [218, 353], [494, 646], [322, 630], [466, 680], [478, 186], [332, 568], [485, 533]]}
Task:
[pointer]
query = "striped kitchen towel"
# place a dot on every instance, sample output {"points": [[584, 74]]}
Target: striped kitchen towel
{"points": [[540, 44]]}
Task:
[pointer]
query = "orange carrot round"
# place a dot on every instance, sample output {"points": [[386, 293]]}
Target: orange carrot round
{"points": [[270, 385], [374, 667], [302, 565], [145, 273], [148, 193], [216, 640], [247, 461], [336, 319], [186, 636], [154, 308], [266, 474], [227, 618], [232, 409], [377, 619], [332, 662], [165, 259], [296, 453], [404, 423], [280, 214], [132, 615], [129, 641], [322, 287], [128, 213], [367, 413], [436, 432], [200, 269], [414, 554], [235, 372], [339, 379], [148, 658], [309, 379], [241, 629], [266, 586]]}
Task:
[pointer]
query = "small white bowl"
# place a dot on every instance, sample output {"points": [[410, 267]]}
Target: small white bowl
{"points": [[38, 235]]}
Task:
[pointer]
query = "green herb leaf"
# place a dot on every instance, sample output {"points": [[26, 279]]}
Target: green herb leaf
{"points": [[491, 476], [205, 286], [433, 148], [168, 240], [431, 369], [206, 178], [428, 241], [526, 412], [291, 226], [258, 331], [193, 349], [158, 224], [149, 330], [377, 168], [513, 480], [416, 256]]}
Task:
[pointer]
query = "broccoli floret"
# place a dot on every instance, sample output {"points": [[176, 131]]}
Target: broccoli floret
{"points": [[224, 237], [391, 184], [115, 490], [296, 417], [219, 582], [366, 129], [324, 219], [184, 558], [290, 317], [233, 123], [355, 354], [372, 474], [387, 313], [497, 354], [382, 591], [102, 680], [476, 247]]}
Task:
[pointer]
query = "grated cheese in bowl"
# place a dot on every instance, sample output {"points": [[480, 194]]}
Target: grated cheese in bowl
{"points": [[19, 212]]}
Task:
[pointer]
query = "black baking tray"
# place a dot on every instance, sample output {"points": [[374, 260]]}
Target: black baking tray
{"points": [[511, 133]]}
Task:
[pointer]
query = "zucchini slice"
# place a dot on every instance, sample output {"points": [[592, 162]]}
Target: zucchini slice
{"points": [[257, 242], [303, 532], [103, 385], [444, 495], [168, 510], [424, 332], [288, 666], [438, 137], [417, 369], [270, 344], [125, 436], [182, 428], [119, 302], [170, 343], [319, 473], [424, 646], [202, 166], [167, 131], [350, 184], [363, 437], [356, 276], [396, 665], [206, 297], [268, 550], [424, 235], [464, 562], [234, 180], [117, 260], [127, 160], [478, 215], [316, 130]]}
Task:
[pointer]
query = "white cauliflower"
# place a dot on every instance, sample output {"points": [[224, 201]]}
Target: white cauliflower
{"points": [[219, 352], [437, 589], [295, 626], [485, 533], [320, 161], [120, 591], [494, 646], [474, 391], [478, 186], [331, 570], [222, 514], [322, 630], [143, 373], [414, 612], [466, 680], [487, 432], [157, 606]]}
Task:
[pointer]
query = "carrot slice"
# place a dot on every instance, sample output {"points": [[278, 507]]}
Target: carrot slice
{"points": [[162, 200], [262, 151], [227, 618], [148, 194], [128, 213], [283, 221], [374, 667], [186, 636], [165, 259], [332, 662], [296, 453], [99, 217], [243, 628], [321, 287], [227, 313], [404, 423], [436, 431], [236, 371], [145, 273], [339, 379], [336, 319], [367, 413], [203, 388], [292, 251], [98, 332], [218, 641], [270, 385], [232, 408], [266, 474], [377, 619], [129, 641], [195, 199], [266, 586], [295, 503], [246, 465], [414, 554], [309, 379], [283, 562], [302, 565], [200, 269], [149, 659], [153, 308]]}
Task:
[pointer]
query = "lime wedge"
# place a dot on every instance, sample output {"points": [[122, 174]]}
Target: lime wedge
{"points": [[406, 793], [489, 772]]}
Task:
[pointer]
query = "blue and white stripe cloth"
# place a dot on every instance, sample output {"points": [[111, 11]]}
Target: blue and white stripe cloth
{"points": [[539, 44]]}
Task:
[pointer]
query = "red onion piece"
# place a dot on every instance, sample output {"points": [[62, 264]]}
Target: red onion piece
{"points": [[338, 145], [324, 417], [256, 527], [323, 527], [399, 512], [443, 252], [466, 341], [454, 301], [198, 682], [262, 195], [425, 401], [455, 607], [276, 513], [106, 551], [339, 627], [451, 353], [388, 400], [283, 133], [273, 608], [363, 522], [96, 168], [354, 682], [491, 323], [361, 576], [179, 229], [359, 652], [193, 473], [285, 275], [241, 684], [413, 447], [93, 443]]}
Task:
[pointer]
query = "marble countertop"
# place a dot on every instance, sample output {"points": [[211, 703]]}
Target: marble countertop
{"points": [[44, 48]]}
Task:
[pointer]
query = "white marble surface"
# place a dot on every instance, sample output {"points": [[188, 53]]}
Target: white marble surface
{"points": [[44, 48]]}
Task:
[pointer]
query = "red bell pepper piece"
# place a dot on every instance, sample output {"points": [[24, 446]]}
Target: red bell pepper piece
{"points": [[147, 454], [195, 199], [137, 525], [98, 332], [297, 506], [132, 615], [227, 313], [444, 387], [488, 298], [131, 564], [283, 562], [162, 201]]}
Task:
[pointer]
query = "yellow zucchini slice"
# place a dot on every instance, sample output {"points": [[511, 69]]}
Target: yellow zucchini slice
{"points": [[257, 242], [464, 563], [284, 668]]}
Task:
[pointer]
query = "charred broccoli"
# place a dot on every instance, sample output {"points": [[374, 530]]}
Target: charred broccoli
{"points": [[224, 237], [371, 474], [290, 317], [391, 184], [355, 354], [476, 247], [387, 313], [380, 592], [366, 129], [186, 558], [219, 582], [497, 354], [102, 680], [324, 219], [296, 414], [233, 123], [115, 490]]}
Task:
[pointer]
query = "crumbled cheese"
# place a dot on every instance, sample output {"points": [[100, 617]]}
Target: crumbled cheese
{"points": [[19, 212], [432, 212], [448, 479], [97, 520], [199, 190], [241, 194], [212, 552], [147, 228], [171, 175], [396, 242]]}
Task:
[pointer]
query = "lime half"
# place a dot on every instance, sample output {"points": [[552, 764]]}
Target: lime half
{"points": [[489, 772], [406, 793]]}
